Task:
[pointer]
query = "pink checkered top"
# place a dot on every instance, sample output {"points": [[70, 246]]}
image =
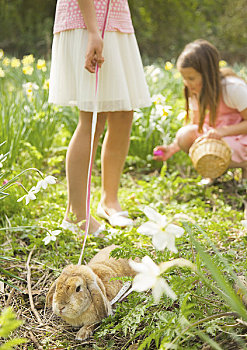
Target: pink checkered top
{"points": [[68, 16]]}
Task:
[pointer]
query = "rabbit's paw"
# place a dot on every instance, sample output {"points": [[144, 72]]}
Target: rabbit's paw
{"points": [[84, 333]]}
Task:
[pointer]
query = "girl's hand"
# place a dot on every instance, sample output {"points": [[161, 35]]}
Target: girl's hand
{"points": [[94, 52], [162, 153], [213, 134]]}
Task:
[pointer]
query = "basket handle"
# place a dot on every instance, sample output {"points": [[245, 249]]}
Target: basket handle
{"points": [[199, 139]]}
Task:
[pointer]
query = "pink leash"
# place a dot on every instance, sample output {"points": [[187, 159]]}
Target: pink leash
{"points": [[94, 122]]}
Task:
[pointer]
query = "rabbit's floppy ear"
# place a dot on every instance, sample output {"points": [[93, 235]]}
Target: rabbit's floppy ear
{"points": [[49, 296], [97, 291]]}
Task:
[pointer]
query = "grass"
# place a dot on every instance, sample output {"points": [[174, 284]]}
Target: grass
{"points": [[137, 320], [207, 314]]}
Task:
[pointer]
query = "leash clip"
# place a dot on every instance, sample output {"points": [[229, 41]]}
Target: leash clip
{"points": [[124, 291]]}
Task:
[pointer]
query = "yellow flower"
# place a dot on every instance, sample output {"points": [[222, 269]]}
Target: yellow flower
{"points": [[6, 61], [46, 85], [28, 70], [29, 91], [2, 74], [15, 62], [27, 60], [222, 63], [165, 112], [1, 53], [168, 65], [41, 65], [29, 88]]}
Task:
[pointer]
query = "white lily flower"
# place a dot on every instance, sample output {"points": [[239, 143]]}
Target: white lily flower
{"points": [[27, 86], [51, 236], [158, 99], [149, 277], [244, 223], [45, 182], [163, 233], [30, 196]]}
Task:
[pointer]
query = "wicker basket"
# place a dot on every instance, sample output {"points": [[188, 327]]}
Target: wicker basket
{"points": [[210, 157]]}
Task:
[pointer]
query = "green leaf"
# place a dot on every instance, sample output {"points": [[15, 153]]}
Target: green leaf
{"points": [[226, 291]]}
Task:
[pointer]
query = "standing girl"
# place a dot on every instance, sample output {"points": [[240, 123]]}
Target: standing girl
{"points": [[122, 87], [218, 99]]}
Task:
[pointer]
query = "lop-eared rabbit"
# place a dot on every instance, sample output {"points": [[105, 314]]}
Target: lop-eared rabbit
{"points": [[81, 295]]}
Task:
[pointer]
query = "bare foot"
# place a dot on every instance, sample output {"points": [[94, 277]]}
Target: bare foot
{"points": [[81, 224], [111, 207], [93, 225]]}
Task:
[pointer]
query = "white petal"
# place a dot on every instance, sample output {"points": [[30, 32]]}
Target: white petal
{"points": [[152, 214], [55, 232], [152, 267], [39, 185], [148, 228], [170, 243], [163, 221], [50, 179], [161, 287], [20, 199], [139, 267], [160, 240], [175, 230], [31, 196], [244, 223], [135, 265], [34, 189], [158, 290], [42, 184], [143, 282], [47, 239]]}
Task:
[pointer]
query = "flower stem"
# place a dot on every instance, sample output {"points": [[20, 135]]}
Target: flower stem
{"points": [[177, 262], [10, 182]]}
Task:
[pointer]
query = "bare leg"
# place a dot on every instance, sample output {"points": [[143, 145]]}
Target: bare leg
{"points": [[77, 161], [186, 136], [114, 151]]}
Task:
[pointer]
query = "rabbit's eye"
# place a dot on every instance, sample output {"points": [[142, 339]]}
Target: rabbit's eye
{"points": [[78, 289]]}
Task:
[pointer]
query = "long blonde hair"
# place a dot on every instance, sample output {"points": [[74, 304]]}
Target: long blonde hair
{"points": [[204, 58]]}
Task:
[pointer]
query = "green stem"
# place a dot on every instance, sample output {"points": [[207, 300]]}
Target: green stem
{"points": [[23, 227], [180, 262], [7, 185], [17, 183]]}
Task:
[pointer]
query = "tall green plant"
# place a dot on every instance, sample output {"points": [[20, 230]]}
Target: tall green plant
{"points": [[28, 123], [8, 323]]}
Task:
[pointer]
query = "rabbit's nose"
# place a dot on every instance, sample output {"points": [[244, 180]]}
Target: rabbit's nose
{"points": [[62, 309]]}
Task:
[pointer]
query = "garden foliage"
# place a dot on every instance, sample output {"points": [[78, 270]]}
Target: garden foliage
{"points": [[162, 27], [199, 303]]}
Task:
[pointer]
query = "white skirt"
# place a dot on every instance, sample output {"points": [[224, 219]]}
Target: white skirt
{"points": [[122, 85]]}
